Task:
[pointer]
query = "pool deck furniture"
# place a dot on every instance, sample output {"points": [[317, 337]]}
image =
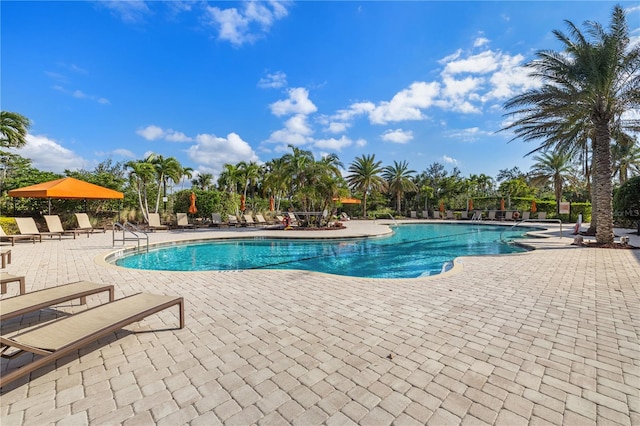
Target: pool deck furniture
{"points": [[27, 226], [69, 334], [40, 299], [6, 278], [6, 257], [464, 215], [491, 215], [248, 220], [18, 237], [84, 224], [154, 223], [182, 221], [54, 224], [525, 215], [260, 220], [542, 215], [232, 220]]}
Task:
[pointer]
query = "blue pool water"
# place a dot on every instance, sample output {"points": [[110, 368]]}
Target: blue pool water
{"points": [[412, 251]]}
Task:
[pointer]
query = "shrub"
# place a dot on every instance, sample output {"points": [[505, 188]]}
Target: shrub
{"points": [[626, 203]]}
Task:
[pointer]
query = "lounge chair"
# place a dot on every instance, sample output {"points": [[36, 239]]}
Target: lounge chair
{"points": [[413, 214], [216, 220], [542, 215], [18, 237], [84, 224], [260, 220], [233, 220], [154, 222], [436, 214], [525, 215], [248, 220], [425, 214], [279, 219], [27, 226], [449, 214], [6, 257], [464, 215], [492, 215], [66, 335], [8, 278], [182, 221], [508, 215], [40, 299], [54, 224]]}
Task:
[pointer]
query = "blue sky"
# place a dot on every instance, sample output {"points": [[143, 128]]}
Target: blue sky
{"points": [[221, 82]]}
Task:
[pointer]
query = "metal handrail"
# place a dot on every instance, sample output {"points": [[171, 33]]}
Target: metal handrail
{"points": [[130, 228], [532, 220]]}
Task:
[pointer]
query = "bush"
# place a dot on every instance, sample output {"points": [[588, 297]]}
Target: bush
{"points": [[626, 203]]}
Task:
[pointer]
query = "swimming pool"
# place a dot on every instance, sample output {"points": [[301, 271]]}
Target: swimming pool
{"points": [[411, 251]]}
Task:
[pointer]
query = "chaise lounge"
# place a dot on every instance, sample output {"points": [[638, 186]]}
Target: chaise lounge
{"points": [[40, 299], [27, 226], [84, 224], [64, 336], [54, 224], [18, 237]]}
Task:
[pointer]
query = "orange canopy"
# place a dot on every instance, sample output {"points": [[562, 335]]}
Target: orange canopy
{"points": [[67, 188], [348, 200]]}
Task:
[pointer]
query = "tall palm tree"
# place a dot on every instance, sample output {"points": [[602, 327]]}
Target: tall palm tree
{"points": [[586, 89], [166, 169], [141, 175], [13, 129], [365, 177], [248, 174], [554, 168], [229, 178], [187, 173], [399, 181]]}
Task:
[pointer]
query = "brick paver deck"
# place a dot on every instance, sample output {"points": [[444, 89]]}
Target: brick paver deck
{"points": [[545, 337]]}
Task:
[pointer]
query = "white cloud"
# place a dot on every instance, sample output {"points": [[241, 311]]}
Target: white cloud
{"points": [[273, 81], [248, 24], [450, 160], [397, 136], [128, 11], [471, 134], [361, 142], [297, 103], [151, 132], [173, 136], [122, 152], [214, 152], [47, 154], [406, 104], [333, 144], [337, 127], [480, 41], [296, 132]]}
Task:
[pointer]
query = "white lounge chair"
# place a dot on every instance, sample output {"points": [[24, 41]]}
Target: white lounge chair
{"points": [[260, 220], [525, 215], [216, 220], [67, 335], [542, 215], [27, 226], [508, 215], [492, 215], [233, 220], [425, 214]]}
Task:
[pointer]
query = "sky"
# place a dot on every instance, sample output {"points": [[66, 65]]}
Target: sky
{"points": [[211, 83]]}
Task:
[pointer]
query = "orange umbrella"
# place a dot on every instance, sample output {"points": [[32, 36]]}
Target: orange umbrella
{"points": [[242, 203], [441, 207], [470, 204], [502, 204], [271, 204], [192, 207], [534, 208]]}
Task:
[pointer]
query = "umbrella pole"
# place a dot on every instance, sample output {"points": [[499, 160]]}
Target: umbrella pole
{"points": [[49, 205]]}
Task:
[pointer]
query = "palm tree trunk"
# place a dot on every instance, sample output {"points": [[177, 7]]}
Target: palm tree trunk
{"points": [[603, 195]]}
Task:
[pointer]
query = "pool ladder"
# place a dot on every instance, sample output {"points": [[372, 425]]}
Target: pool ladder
{"points": [[129, 228]]}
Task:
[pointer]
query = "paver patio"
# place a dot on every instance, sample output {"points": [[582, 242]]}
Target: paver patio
{"points": [[544, 337]]}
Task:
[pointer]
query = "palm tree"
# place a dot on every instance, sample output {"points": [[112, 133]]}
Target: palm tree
{"points": [[203, 181], [229, 178], [586, 89], [187, 173], [166, 168], [554, 167], [626, 159], [399, 181], [248, 174], [365, 177], [13, 129], [141, 174]]}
